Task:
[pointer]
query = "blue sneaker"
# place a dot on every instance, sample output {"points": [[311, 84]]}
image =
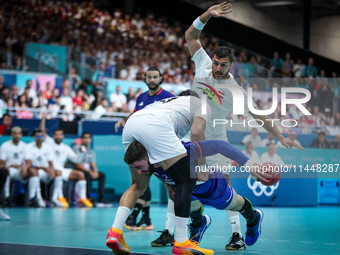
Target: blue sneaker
{"points": [[253, 233], [196, 234]]}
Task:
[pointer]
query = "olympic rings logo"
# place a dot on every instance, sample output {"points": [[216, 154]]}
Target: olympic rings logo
{"points": [[258, 188]]}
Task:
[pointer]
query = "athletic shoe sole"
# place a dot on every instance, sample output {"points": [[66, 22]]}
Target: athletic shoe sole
{"points": [[116, 247]]}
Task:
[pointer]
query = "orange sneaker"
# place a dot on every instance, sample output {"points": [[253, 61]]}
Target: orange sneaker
{"points": [[115, 241], [86, 202], [189, 248], [63, 201]]}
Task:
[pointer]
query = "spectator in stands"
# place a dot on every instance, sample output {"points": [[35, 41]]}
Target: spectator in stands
{"points": [[118, 100], [1, 83], [75, 79], [321, 88], [269, 140], [310, 70], [292, 137], [336, 143], [55, 95], [98, 78], [252, 137], [100, 110], [10, 103], [298, 68], [87, 158], [5, 94], [14, 94], [79, 98], [130, 95], [41, 101], [6, 123], [287, 69], [331, 128], [276, 64], [271, 156], [243, 82], [259, 69], [48, 92], [66, 100], [32, 92], [24, 113], [251, 154], [320, 142], [31, 102]]}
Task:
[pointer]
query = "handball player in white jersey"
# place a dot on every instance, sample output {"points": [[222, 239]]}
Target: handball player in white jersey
{"points": [[208, 73]]}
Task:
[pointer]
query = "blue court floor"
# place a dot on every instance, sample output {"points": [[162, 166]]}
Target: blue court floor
{"points": [[284, 231]]}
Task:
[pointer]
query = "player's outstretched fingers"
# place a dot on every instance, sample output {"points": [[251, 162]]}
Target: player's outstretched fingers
{"points": [[296, 145]]}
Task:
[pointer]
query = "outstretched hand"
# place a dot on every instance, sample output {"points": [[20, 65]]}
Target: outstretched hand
{"points": [[288, 143], [220, 10]]}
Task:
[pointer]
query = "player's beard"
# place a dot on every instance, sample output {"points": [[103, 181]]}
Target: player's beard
{"points": [[155, 86], [224, 75]]}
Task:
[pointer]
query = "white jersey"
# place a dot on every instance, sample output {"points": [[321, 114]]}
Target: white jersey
{"points": [[61, 152], [177, 112], [222, 102], [13, 154], [39, 156]]}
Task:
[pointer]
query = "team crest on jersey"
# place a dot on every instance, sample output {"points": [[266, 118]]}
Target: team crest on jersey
{"points": [[211, 92]]}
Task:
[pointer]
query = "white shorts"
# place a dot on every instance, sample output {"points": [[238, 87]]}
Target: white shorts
{"points": [[65, 172], [14, 174], [44, 177], [218, 159], [157, 136]]}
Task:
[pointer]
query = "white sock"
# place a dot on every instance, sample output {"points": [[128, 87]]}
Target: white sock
{"points": [[6, 187], [81, 188], [181, 229], [121, 216], [33, 183], [58, 188], [234, 218], [170, 217], [39, 196]]}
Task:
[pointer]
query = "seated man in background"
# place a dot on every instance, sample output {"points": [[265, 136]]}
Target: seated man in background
{"points": [[39, 156], [87, 158], [272, 156], [320, 142], [12, 157], [62, 152]]}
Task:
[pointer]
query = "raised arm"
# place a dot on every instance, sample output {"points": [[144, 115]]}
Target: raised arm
{"points": [[193, 33]]}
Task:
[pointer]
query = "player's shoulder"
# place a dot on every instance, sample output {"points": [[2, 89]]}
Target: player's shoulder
{"points": [[165, 93], [22, 143]]}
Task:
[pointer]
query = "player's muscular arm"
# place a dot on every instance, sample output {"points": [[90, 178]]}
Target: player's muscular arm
{"points": [[273, 129], [192, 34], [139, 184]]}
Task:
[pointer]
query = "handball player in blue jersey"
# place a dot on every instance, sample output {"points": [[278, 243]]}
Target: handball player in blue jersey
{"points": [[153, 80], [215, 192]]}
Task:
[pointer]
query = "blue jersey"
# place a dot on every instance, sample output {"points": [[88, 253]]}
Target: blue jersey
{"points": [[216, 191], [144, 99]]}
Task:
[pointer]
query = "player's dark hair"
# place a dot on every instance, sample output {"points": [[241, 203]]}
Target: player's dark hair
{"points": [[58, 129], [223, 52], [85, 133], [37, 131], [6, 115], [136, 151], [153, 68], [188, 92]]}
